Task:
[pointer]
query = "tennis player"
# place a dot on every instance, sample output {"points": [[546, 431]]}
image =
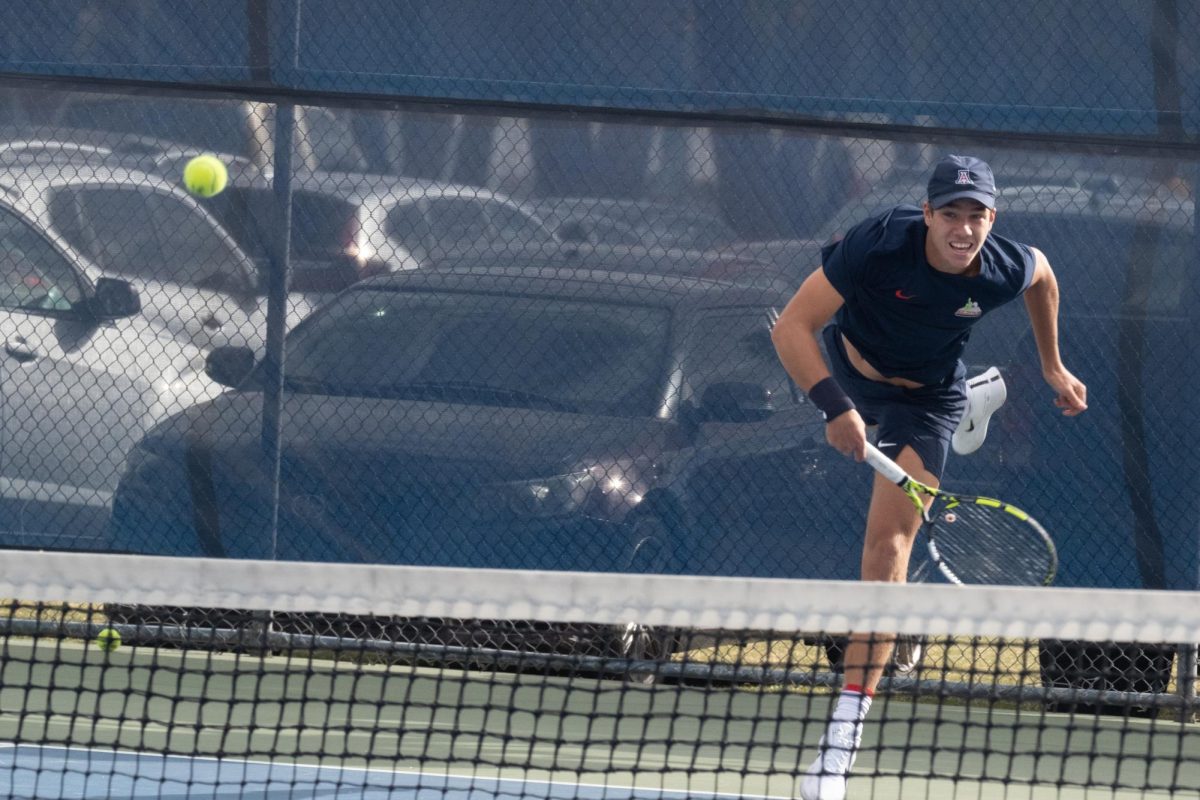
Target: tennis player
{"points": [[906, 287]]}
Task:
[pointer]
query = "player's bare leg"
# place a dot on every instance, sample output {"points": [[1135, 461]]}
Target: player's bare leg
{"points": [[892, 525]]}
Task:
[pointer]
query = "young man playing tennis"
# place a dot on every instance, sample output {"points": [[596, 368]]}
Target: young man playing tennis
{"points": [[906, 287]]}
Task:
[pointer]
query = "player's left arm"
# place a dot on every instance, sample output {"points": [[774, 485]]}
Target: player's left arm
{"points": [[1041, 301]]}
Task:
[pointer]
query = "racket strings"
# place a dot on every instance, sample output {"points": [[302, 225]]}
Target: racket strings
{"points": [[986, 544]]}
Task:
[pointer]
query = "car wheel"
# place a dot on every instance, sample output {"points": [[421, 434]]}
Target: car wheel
{"points": [[1139, 667], [655, 539], [644, 643]]}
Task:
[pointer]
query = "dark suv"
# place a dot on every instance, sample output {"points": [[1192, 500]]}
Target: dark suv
{"points": [[519, 418]]}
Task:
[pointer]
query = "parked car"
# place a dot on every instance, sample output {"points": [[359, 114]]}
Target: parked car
{"points": [[83, 374], [323, 140], [347, 227], [356, 225], [195, 282], [606, 220], [1021, 179], [522, 417], [792, 258]]}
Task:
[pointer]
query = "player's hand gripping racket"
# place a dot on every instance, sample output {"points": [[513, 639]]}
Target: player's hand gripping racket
{"points": [[976, 539]]}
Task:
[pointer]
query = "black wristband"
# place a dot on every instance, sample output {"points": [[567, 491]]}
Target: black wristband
{"points": [[829, 397]]}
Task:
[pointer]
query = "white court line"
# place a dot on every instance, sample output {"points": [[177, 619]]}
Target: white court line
{"points": [[418, 774]]}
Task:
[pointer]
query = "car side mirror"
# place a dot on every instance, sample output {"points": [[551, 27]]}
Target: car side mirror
{"points": [[736, 401], [229, 366], [114, 299], [574, 232]]}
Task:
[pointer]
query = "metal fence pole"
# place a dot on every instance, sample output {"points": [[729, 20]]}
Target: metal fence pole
{"points": [[277, 290], [1185, 680]]}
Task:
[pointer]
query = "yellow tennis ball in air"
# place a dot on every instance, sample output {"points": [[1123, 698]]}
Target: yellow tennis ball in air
{"points": [[108, 640], [205, 176]]}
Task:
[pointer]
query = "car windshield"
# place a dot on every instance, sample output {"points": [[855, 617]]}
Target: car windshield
{"points": [[587, 357], [138, 232], [320, 223]]}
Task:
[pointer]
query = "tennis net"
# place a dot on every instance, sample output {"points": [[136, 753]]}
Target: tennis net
{"points": [[267, 679]]}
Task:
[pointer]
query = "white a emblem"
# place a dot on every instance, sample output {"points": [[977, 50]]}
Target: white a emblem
{"points": [[964, 178]]}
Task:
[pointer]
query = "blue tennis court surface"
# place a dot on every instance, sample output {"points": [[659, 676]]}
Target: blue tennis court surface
{"points": [[32, 771]]}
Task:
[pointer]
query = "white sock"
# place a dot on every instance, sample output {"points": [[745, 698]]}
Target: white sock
{"points": [[852, 706]]}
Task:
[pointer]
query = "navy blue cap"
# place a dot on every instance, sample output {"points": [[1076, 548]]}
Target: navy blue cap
{"points": [[958, 177]]}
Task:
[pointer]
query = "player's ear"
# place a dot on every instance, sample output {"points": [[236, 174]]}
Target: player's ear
{"points": [[928, 210]]}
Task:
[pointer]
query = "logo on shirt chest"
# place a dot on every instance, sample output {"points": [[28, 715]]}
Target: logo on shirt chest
{"points": [[969, 309], [910, 297]]}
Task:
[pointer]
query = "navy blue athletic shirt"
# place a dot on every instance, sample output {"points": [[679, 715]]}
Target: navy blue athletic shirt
{"points": [[907, 319]]}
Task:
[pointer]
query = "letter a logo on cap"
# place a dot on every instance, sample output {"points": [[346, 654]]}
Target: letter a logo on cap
{"points": [[964, 178]]}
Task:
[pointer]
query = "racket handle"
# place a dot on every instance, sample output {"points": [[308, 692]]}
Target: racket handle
{"points": [[885, 466]]}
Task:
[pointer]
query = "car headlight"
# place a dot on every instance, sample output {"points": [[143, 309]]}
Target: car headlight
{"points": [[604, 489], [554, 496]]}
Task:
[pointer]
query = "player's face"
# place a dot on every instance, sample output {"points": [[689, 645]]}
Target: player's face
{"points": [[956, 234]]}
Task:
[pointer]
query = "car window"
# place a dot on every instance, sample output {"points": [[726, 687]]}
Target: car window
{"points": [[245, 214], [136, 232], [638, 225], [735, 346], [1113, 266], [457, 225], [332, 141], [606, 231], [323, 226], [512, 226], [407, 225], [33, 274], [696, 233], [593, 358]]}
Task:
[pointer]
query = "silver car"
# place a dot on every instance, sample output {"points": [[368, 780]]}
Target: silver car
{"points": [[362, 225], [194, 280], [83, 374], [646, 223]]}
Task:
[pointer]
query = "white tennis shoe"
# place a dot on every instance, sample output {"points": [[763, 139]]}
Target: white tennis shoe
{"points": [[986, 392], [907, 653], [825, 778]]}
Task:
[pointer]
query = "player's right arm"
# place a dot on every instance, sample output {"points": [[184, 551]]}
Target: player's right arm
{"points": [[795, 337]]}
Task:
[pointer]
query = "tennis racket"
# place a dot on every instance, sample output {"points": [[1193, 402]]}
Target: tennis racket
{"points": [[976, 539]]}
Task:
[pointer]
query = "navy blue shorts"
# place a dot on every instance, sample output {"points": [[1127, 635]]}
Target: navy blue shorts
{"points": [[923, 419]]}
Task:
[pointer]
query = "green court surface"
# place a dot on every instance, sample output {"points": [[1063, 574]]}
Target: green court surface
{"points": [[572, 730]]}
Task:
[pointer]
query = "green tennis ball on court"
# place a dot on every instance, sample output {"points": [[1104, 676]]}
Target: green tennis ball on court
{"points": [[205, 176], [108, 640]]}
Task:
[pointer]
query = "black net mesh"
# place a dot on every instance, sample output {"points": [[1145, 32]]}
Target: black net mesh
{"points": [[137, 700]]}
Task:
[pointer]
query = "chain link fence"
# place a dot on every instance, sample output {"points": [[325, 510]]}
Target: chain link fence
{"points": [[537, 338]]}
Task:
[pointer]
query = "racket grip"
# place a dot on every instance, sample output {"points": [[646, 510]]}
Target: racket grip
{"points": [[885, 466]]}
